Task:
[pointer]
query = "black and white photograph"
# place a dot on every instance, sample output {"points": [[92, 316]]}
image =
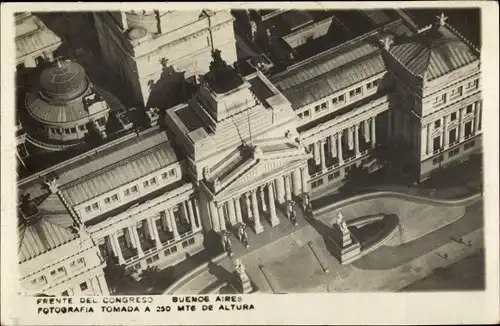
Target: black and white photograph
{"points": [[241, 151]]}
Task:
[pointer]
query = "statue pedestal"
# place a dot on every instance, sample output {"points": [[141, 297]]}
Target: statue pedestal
{"points": [[347, 248], [243, 283]]}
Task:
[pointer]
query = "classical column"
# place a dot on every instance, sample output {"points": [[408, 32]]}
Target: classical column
{"points": [[222, 218], [461, 125], [305, 178], [296, 182], [356, 139], [333, 145], [374, 134], [262, 199], [423, 141], [350, 141], [237, 205], [133, 241], [429, 139], [339, 148], [272, 208], [150, 230], [323, 157], [366, 130], [231, 212], [280, 189], [185, 211], [165, 221], [248, 205], [103, 285], [135, 236], [174, 223], [191, 214], [445, 132], [197, 210], [152, 221], [288, 194], [317, 153], [115, 245], [389, 123], [214, 216], [477, 115], [255, 206]]}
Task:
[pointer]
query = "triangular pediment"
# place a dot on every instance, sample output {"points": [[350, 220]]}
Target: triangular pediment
{"points": [[268, 166]]}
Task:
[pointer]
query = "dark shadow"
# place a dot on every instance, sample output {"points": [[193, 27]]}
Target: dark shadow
{"points": [[169, 90], [222, 274], [326, 232]]}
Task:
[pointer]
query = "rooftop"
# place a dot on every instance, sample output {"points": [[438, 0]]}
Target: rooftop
{"points": [[434, 52], [51, 228], [32, 35], [96, 161]]}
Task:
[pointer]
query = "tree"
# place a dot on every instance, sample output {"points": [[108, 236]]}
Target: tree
{"points": [[115, 274]]}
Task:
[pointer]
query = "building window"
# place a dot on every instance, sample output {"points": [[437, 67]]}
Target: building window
{"points": [[472, 84], [317, 183], [468, 128], [58, 131], [336, 174], [80, 262], [172, 173], [152, 181], [73, 130], [306, 113], [321, 107], [339, 99], [456, 92], [468, 109], [84, 286], [127, 192], [61, 271], [437, 124], [453, 116], [164, 175], [469, 145], [437, 143], [355, 92], [145, 184], [39, 280], [330, 177], [101, 121], [452, 135], [171, 250], [372, 84], [134, 189], [88, 209], [107, 200], [114, 197], [299, 115], [440, 99], [65, 293], [67, 131], [82, 128], [95, 206], [454, 152]]}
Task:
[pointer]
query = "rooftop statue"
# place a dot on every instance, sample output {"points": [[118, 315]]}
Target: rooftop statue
{"points": [[222, 77]]}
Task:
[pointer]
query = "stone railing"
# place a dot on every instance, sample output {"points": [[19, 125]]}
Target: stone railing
{"points": [[378, 194]]}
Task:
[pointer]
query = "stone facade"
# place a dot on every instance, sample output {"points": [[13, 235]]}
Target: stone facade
{"points": [[156, 62]]}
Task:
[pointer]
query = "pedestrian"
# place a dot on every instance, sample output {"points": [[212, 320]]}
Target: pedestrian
{"points": [[245, 239], [293, 217]]}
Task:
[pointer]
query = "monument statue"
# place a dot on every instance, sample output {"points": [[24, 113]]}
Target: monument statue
{"points": [[341, 223], [239, 268]]}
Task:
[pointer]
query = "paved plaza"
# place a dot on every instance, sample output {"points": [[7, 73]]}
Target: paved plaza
{"points": [[298, 259]]}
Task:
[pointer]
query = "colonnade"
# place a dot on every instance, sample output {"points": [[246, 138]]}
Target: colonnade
{"points": [[261, 199], [335, 141], [447, 125], [168, 221]]}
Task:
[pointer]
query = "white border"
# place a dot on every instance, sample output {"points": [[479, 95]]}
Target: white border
{"points": [[359, 308]]}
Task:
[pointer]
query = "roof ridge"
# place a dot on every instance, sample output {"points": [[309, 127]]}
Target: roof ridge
{"points": [[347, 65], [115, 165], [462, 38], [344, 45]]}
